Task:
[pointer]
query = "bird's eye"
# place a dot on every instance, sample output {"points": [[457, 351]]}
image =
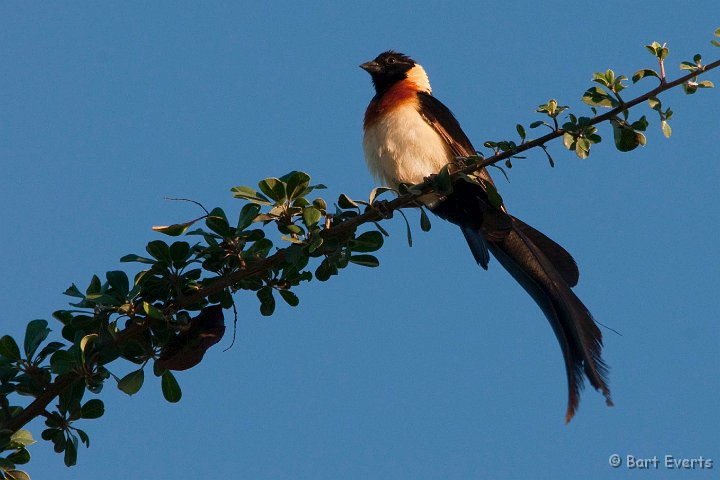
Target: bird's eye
{"points": [[391, 60]]}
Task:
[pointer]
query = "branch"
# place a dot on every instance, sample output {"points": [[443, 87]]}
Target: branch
{"points": [[39, 405]]}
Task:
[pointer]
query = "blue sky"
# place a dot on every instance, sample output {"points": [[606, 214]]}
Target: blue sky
{"points": [[427, 367]]}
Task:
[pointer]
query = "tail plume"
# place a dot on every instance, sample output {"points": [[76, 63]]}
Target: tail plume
{"points": [[545, 270], [576, 331]]}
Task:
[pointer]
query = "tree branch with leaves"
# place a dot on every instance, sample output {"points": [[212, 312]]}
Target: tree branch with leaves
{"points": [[171, 313]]}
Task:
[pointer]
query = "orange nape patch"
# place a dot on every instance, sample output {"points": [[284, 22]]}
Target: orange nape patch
{"points": [[400, 94]]}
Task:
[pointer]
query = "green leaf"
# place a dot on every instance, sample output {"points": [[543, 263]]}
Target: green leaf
{"points": [[715, 42], [316, 242], [19, 457], [73, 291], [260, 248], [618, 86], [22, 437], [645, 72], [174, 230], [62, 361], [170, 387], [324, 271], [95, 287], [217, 222], [127, 258], [320, 204], [311, 216], [247, 193], [297, 183], [377, 191], [85, 341], [688, 66], [83, 437], [365, 260], [443, 181], [521, 131], [274, 188], [537, 124], [424, 221], [407, 229], [179, 253], [9, 348], [346, 202], [550, 159], [132, 382], [706, 84], [597, 97], [290, 298], [667, 131], [292, 228], [247, 215], [551, 109], [158, 250], [640, 124], [626, 139], [59, 440], [70, 457], [599, 77], [267, 301], [152, 311], [582, 148], [94, 408], [660, 51], [48, 349], [13, 474], [493, 195], [370, 241], [35, 333], [118, 281], [381, 229]]}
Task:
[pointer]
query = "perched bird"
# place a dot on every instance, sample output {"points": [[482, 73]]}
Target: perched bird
{"points": [[409, 135]]}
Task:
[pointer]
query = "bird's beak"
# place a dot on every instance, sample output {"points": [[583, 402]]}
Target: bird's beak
{"points": [[371, 67]]}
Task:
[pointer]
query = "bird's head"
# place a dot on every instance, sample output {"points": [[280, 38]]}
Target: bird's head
{"points": [[391, 67]]}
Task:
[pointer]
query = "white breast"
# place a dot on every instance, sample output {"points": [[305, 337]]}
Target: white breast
{"points": [[401, 147]]}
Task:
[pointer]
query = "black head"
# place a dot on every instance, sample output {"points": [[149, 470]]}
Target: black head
{"points": [[387, 69]]}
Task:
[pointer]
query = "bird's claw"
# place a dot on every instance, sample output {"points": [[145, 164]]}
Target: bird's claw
{"points": [[383, 208]]}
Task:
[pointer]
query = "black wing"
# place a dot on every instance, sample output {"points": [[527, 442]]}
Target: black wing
{"points": [[446, 125], [443, 121]]}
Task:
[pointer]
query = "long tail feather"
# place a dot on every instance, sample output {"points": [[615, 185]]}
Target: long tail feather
{"points": [[544, 269], [578, 335]]}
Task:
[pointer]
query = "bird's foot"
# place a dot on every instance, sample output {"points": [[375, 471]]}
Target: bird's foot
{"points": [[383, 208]]}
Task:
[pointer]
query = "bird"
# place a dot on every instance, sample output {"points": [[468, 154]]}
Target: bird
{"points": [[409, 135]]}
